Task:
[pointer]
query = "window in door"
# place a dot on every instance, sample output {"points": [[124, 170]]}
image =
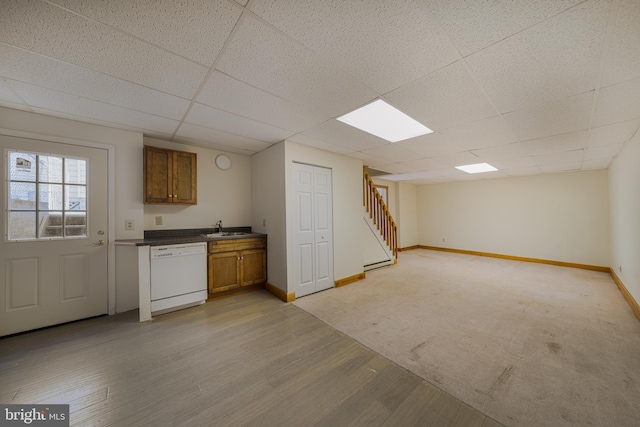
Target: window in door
{"points": [[47, 196]]}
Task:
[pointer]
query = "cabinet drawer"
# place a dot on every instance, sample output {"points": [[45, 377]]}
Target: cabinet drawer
{"points": [[229, 245]]}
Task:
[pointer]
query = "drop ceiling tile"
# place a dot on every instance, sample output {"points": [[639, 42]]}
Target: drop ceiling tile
{"points": [[618, 103], [602, 163], [458, 159], [219, 138], [617, 133], [520, 163], [446, 98], [558, 58], [486, 23], [226, 93], [386, 43], [564, 116], [522, 172], [484, 133], [431, 145], [242, 2], [623, 56], [422, 165], [393, 168], [561, 167], [14, 105], [83, 107], [213, 118], [501, 152], [558, 158], [21, 65], [556, 143], [317, 143], [343, 135], [262, 57], [51, 31], [602, 152], [7, 95], [213, 146], [450, 172], [366, 158], [391, 153], [196, 30]]}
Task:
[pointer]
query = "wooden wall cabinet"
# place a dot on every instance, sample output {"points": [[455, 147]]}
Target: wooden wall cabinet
{"points": [[235, 263], [170, 177]]}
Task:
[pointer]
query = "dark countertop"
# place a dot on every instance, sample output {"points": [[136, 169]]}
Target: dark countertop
{"points": [[177, 237]]}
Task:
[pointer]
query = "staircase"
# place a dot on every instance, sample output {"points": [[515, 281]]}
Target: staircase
{"points": [[380, 222]]}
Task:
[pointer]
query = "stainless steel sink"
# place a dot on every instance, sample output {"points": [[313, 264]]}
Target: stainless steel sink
{"points": [[225, 234]]}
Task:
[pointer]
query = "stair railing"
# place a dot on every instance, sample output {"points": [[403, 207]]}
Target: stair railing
{"points": [[379, 213]]}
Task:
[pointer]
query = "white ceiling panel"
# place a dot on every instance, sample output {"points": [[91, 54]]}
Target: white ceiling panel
{"points": [[392, 168], [556, 59], [196, 29], [520, 163], [501, 152], [522, 172], [623, 59], [348, 137], [199, 142], [15, 105], [559, 158], [601, 163], [8, 95], [213, 118], [618, 103], [390, 153], [568, 115], [422, 164], [602, 152], [484, 133], [219, 138], [404, 46], [458, 159], [83, 107], [617, 133], [561, 167], [446, 98], [486, 23], [557, 143], [224, 92], [431, 145], [49, 30], [262, 57], [318, 143], [21, 65]]}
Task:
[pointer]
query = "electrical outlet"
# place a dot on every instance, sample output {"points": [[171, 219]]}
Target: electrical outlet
{"points": [[159, 220], [129, 224]]}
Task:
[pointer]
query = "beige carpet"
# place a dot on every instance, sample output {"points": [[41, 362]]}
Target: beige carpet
{"points": [[527, 344]]}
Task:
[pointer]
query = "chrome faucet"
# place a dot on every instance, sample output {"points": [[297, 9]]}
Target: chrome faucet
{"points": [[219, 225]]}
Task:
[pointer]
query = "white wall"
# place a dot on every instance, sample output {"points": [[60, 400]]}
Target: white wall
{"points": [[347, 207], [561, 217], [624, 180], [269, 209], [222, 194], [407, 201]]}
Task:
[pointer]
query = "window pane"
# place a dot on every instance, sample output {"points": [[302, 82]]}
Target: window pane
{"points": [[75, 198], [75, 224], [22, 196], [75, 171], [22, 225], [50, 224], [22, 166], [50, 169], [50, 196]]}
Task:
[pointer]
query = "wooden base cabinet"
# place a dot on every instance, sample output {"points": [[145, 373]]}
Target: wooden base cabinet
{"points": [[236, 262]]}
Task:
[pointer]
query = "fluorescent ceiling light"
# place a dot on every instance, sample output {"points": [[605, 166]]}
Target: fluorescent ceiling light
{"points": [[477, 168], [383, 120]]}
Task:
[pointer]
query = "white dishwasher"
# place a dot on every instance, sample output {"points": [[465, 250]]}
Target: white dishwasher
{"points": [[178, 276]]}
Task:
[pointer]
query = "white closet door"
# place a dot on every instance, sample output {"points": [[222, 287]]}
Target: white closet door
{"points": [[313, 225]]}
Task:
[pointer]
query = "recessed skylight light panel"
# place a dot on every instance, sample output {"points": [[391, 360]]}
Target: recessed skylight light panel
{"points": [[384, 121], [477, 168]]}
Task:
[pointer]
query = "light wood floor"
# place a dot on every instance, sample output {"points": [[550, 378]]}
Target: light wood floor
{"points": [[245, 360]]}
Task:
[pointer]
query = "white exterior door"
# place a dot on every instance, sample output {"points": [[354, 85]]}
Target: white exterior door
{"points": [[313, 223], [54, 229]]}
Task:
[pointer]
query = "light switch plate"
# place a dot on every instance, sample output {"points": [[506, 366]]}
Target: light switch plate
{"points": [[159, 220], [129, 224]]}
